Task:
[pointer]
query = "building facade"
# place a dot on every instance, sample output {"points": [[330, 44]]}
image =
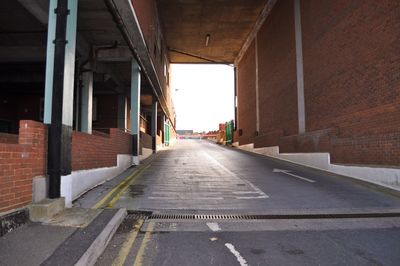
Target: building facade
{"points": [[84, 94]]}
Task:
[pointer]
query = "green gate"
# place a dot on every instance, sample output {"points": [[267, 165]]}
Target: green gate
{"points": [[229, 132]]}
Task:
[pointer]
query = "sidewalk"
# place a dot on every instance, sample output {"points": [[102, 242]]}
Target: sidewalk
{"points": [[78, 235]]}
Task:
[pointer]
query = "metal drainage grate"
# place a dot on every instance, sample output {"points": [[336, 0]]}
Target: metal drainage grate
{"points": [[150, 216], [204, 217]]}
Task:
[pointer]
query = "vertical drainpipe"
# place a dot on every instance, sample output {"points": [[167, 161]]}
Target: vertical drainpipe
{"points": [[55, 135]]}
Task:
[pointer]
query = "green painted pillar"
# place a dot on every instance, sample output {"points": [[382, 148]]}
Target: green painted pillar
{"points": [[135, 110], [59, 90], [154, 124], [87, 103]]}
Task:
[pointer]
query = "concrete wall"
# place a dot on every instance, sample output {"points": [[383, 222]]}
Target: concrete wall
{"points": [[351, 80]]}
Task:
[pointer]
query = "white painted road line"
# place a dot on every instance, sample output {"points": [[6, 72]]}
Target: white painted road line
{"points": [[262, 195], [214, 227], [289, 173], [244, 192], [182, 198], [239, 257], [255, 197]]}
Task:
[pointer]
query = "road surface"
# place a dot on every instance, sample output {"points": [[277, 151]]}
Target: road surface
{"points": [[265, 212]]}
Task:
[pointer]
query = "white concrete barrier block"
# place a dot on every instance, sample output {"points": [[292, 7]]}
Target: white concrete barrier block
{"points": [[269, 151], [79, 182], [246, 147], [145, 153], [384, 176], [318, 160], [39, 188]]}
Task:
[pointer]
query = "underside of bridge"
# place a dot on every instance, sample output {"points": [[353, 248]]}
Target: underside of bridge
{"points": [[207, 31], [311, 76]]}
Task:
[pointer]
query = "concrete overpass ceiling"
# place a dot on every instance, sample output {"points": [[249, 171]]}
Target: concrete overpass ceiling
{"points": [[187, 23], [97, 25], [18, 27]]}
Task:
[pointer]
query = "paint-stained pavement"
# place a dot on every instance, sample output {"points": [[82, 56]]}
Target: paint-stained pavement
{"points": [[201, 177]]}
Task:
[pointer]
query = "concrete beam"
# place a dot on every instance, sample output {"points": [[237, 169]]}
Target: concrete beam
{"points": [[260, 21], [18, 78], [127, 15], [102, 68], [119, 54], [10, 54], [38, 8]]}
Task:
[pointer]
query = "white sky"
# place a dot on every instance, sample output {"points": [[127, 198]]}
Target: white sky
{"points": [[203, 95]]}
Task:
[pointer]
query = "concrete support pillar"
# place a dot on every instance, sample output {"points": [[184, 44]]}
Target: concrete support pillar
{"points": [[235, 98], [299, 68], [87, 103], [135, 110], [122, 112], [154, 124], [257, 90], [69, 69], [163, 121], [59, 89]]}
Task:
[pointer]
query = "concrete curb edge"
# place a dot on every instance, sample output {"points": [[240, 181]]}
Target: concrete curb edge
{"points": [[100, 243]]}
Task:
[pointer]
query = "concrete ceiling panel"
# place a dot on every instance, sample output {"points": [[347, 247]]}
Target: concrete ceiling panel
{"points": [[186, 24]]}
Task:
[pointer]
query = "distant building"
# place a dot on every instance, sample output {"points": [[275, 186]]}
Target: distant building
{"points": [[184, 132]]}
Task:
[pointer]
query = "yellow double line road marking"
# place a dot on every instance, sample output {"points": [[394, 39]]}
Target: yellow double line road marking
{"points": [[127, 245], [140, 254], [116, 192]]}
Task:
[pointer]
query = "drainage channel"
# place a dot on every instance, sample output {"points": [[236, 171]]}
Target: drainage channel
{"points": [[169, 216]]}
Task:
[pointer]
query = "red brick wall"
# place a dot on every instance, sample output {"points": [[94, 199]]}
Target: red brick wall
{"points": [[351, 76], [8, 138], [147, 13], [246, 96], [277, 71], [145, 141], [100, 150], [19, 163], [107, 112]]}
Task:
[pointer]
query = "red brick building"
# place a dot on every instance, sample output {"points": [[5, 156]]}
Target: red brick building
{"points": [[116, 101], [322, 76]]}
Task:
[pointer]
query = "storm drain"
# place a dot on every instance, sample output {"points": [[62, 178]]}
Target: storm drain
{"points": [[204, 217], [151, 216]]}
